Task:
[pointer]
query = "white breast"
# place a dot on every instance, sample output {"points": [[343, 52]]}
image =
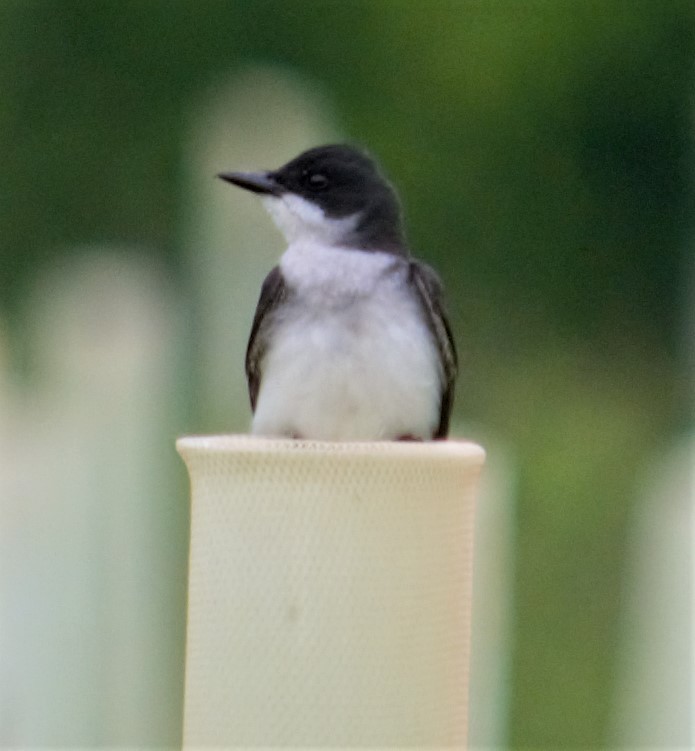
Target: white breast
{"points": [[351, 358]]}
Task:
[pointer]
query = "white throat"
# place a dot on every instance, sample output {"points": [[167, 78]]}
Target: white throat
{"points": [[301, 221]]}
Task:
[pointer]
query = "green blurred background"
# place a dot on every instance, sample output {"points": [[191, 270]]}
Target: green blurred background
{"points": [[543, 150]]}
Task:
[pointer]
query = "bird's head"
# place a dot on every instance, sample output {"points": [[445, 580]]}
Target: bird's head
{"points": [[334, 195]]}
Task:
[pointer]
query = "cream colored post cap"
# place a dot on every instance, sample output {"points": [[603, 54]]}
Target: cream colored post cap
{"points": [[329, 592]]}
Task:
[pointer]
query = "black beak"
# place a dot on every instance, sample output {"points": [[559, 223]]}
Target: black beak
{"points": [[257, 182]]}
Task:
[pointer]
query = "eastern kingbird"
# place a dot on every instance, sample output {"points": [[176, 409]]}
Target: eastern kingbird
{"points": [[350, 340]]}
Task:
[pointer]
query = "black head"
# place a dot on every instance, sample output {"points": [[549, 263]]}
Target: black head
{"points": [[343, 182]]}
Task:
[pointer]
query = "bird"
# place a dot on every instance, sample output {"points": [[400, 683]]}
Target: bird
{"points": [[350, 340]]}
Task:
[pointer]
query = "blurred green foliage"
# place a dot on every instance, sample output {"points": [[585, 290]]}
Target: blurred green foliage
{"points": [[543, 149]]}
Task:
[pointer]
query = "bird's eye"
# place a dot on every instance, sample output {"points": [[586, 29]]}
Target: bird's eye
{"points": [[317, 181]]}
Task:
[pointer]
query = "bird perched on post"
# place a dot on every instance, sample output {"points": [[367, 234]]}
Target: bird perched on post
{"points": [[350, 340]]}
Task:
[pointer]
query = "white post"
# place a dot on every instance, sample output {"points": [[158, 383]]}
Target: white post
{"points": [[91, 553], [260, 117], [329, 592]]}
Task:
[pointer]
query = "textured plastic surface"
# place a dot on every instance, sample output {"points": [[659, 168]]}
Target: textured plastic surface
{"points": [[329, 592]]}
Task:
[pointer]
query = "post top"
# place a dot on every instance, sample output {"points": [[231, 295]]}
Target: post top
{"points": [[250, 444]]}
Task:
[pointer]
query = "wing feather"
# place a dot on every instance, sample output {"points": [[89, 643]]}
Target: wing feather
{"points": [[428, 288], [273, 292]]}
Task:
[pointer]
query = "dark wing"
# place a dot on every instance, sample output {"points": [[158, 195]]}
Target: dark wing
{"points": [[273, 292], [426, 285]]}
